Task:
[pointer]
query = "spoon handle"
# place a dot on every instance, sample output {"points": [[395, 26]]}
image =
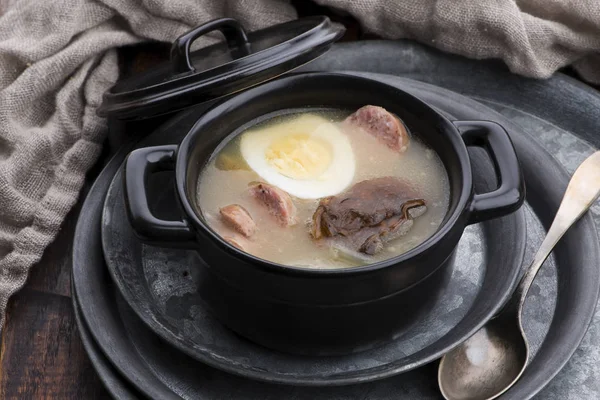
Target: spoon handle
{"points": [[582, 191]]}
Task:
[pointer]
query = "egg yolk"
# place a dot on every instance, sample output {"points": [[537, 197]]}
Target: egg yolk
{"points": [[299, 156]]}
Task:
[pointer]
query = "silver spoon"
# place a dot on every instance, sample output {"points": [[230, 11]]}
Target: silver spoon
{"points": [[494, 358]]}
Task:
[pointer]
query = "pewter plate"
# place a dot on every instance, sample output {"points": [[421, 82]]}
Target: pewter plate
{"points": [[575, 254], [160, 285], [577, 257], [118, 387]]}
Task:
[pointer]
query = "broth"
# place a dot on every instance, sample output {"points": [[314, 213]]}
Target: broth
{"points": [[226, 177]]}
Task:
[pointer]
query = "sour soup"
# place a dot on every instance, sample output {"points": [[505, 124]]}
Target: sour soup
{"points": [[325, 189]]}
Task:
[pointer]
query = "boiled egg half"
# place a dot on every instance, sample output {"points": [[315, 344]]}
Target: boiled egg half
{"points": [[307, 156]]}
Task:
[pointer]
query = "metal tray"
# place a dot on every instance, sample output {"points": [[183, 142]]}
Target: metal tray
{"points": [[161, 286], [577, 259]]}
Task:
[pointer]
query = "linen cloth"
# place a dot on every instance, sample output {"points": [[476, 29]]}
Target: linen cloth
{"points": [[58, 57]]}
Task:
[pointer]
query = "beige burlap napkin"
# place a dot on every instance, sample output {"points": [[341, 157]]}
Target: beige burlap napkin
{"points": [[57, 57], [533, 37]]}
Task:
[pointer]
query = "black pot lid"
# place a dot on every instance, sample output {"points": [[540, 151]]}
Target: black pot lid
{"points": [[241, 61]]}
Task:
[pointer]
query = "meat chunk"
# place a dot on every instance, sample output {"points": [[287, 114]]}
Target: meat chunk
{"points": [[378, 122], [235, 241], [373, 239], [238, 218], [278, 202], [369, 214]]}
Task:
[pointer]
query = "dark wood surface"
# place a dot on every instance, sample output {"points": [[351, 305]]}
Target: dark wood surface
{"points": [[41, 354]]}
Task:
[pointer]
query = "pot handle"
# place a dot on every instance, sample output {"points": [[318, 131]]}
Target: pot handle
{"points": [[139, 164], [510, 194], [234, 33]]}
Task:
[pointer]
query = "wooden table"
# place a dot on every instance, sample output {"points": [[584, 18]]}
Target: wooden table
{"points": [[41, 354]]}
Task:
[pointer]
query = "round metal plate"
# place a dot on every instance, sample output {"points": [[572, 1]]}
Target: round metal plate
{"points": [[577, 257], [551, 197], [160, 284], [112, 381]]}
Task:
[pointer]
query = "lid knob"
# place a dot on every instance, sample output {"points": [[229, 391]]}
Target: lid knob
{"points": [[234, 33]]}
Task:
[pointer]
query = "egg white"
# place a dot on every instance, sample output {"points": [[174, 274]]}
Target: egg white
{"points": [[333, 180]]}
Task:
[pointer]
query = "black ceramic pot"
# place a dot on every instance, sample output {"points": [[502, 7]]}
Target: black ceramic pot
{"points": [[321, 311]]}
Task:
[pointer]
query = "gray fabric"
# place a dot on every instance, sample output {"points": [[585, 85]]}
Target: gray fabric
{"points": [[533, 37], [57, 58], [55, 63]]}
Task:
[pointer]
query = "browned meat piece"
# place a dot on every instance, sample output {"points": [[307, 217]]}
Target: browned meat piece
{"points": [[383, 125], [389, 229], [234, 241], [278, 202], [369, 214], [238, 218]]}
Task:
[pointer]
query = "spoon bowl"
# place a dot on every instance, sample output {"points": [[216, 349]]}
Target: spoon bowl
{"points": [[487, 364], [494, 358]]}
